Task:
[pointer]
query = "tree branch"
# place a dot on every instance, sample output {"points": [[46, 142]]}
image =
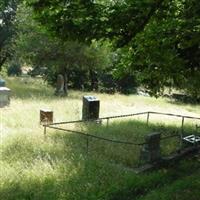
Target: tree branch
{"points": [[127, 35]]}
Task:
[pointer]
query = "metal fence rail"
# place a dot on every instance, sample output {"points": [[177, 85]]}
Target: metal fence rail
{"points": [[128, 115], [97, 137], [53, 125], [148, 114]]}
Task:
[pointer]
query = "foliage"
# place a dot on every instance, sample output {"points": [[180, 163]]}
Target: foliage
{"points": [[7, 31], [14, 69], [159, 39], [81, 63]]}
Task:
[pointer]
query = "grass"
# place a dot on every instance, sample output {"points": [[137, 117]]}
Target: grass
{"points": [[57, 167]]}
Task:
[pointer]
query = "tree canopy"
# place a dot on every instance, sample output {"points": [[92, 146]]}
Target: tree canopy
{"points": [[158, 39], [7, 15]]}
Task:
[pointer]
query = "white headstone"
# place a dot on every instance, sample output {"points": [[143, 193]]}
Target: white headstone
{"points": [[4, 96]]}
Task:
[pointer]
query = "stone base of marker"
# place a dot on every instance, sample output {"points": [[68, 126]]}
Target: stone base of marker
{"points": [[46, 116], [150, 152], [4, 96]]}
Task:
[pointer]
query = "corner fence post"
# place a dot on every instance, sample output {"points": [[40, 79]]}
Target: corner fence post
{"points": [[45, 130], [148, 118], [87, 144], [107, 122], [182, 126], [182, 130]]}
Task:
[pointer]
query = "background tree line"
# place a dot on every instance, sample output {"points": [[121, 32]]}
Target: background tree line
{"points": [[112, 45]]}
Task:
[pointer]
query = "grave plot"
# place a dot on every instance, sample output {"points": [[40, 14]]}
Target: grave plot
{"points": [[125, 140]]}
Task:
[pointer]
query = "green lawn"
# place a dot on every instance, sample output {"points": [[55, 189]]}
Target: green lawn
{"points": [[57, 167]]}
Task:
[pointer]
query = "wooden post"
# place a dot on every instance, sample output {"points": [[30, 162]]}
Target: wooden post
{"points": [[87, 144], [148, 118], [182, 131], [45, 130], [107, 123], [182, 127]]}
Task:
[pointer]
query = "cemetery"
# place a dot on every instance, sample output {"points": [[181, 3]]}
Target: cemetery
{"points": [[99, 100], [149, 156], [91, 138]]}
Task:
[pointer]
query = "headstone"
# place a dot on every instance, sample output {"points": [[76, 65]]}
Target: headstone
{"points": [[2, 83], [60, 85], [151, 150], [46, 116], [4, 96], [90, 109]]}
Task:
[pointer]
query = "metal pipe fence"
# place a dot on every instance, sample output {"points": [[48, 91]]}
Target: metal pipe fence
{"points": [[108, 140]]}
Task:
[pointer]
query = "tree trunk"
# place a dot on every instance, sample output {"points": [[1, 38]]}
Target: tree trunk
{"points": [[2, 61], [65, 83], [93, 80]]}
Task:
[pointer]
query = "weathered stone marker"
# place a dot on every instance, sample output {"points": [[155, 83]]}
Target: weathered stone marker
{"points": [[150, 152], [46, 116], [2, 83], [4, 96], [60, 85], [90, 110]]}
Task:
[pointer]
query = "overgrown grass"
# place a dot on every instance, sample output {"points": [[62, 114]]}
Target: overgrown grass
{"points": [[57, 167]]}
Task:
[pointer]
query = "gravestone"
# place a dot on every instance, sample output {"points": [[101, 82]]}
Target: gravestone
{"points": [[150, 152], [60, 85], [46, 116], [4, 96], [90, 110], [2, 83]]}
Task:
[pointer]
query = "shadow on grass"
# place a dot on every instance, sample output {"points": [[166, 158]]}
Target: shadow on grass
{"points": [[59, 167], [181, 99], [91, 180], [127, 155]]}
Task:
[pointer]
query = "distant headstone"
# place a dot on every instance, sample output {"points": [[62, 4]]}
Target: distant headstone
{"points": [[90, 110], [151, 150], [2, 83], [60, 85], [4, 96]]}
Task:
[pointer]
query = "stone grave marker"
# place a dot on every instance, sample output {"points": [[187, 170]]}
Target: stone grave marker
{"points": [[150, 152], [90, 110], [2, 83], [4, 94], [46, 116], [60, 85]]}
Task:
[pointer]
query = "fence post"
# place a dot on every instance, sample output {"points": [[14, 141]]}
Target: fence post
{"points": [[182, 126], [45, 130], [107, 122], [148, 118], [182, 131], [87, 143]]}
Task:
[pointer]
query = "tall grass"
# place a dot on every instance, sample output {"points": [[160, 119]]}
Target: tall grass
{"points": [[33, 167]]}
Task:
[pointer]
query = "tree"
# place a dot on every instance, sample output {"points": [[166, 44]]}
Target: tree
{"points": [[7, 15], [35, 46], [159, 39]]}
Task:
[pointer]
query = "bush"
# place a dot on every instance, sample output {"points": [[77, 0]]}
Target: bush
{"points": [[14, 69]]}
